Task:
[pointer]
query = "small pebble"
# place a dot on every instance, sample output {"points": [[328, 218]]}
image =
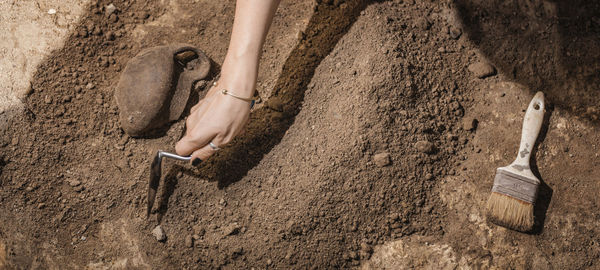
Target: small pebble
{"points": [[74, 182], [231, 229], [99, 99], [90, 86], [189, 241], [110, 9], [482, 69], [382, 159], [238, 251], [426, 147], [159, 234], [110, 35]]}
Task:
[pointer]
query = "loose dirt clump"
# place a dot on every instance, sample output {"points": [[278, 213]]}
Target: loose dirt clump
{"points": [[364, 120]]}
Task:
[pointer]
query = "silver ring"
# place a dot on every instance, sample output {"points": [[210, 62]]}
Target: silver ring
{"points": [[213, 146]]}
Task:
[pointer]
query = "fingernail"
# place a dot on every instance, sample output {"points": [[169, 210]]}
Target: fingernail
{"points": [[196, 161]]}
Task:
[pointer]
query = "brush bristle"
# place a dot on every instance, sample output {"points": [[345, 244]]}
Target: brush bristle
{"points": [[509, 212]]}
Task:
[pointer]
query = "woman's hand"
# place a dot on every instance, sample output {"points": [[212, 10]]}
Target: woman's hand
{"points": [[218, 119]]}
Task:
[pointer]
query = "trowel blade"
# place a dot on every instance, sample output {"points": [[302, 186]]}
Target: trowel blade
{"points": [[153, 182]]}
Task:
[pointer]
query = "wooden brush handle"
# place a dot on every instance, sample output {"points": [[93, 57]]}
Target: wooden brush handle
{"points": [[531, 128]]}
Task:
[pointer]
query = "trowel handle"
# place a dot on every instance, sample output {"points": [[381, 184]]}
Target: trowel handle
{"points": [[162, 154], [532, 123]]}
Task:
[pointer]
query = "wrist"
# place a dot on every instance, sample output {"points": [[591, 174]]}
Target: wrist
{"points": [[238, 75]]}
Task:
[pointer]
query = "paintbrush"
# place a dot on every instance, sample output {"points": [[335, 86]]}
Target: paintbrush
{"points": [[515, 187]]}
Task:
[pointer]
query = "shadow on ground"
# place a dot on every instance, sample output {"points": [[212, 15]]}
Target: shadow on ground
{"points": [[549, 46], [268, 124]]}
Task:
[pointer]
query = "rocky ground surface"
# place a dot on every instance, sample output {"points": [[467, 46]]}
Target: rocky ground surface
{"points": [[376, 146]]}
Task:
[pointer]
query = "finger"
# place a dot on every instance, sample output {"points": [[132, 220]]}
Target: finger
{"points": [[193, 141], [202, 154]]}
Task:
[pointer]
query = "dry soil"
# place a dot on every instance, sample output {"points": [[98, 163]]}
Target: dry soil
{"points": [[376, 147]]}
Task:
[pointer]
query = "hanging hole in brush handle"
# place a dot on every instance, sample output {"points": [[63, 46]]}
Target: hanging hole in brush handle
{"points": [[532, 123]]}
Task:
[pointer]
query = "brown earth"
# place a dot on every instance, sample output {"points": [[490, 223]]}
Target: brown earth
{"points": [[364, 148]]}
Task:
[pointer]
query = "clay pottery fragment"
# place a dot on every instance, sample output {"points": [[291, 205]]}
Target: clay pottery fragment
{"points": [[155, 86]]}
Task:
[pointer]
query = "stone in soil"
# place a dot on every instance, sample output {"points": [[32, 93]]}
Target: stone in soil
{"points": [[110, 35], [482, 69], [159, 234], [74, 183], [189, 241], [426, 147], [231, 229], [110, 9], [382, 159]]}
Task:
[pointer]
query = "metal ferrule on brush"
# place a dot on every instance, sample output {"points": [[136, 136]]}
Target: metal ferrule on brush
{"points": [[516, 186]]}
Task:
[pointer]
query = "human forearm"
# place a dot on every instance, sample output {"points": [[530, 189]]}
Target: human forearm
{"points": [[250, 27], [217, 118]]}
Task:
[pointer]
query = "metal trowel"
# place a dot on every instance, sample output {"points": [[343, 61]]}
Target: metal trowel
{"points": [[155, 175]]}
